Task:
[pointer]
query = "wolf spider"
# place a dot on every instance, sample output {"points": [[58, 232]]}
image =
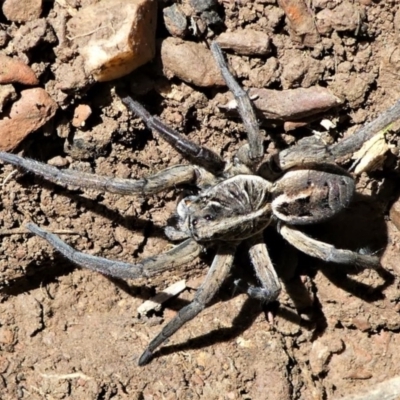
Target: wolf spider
{"points": [[234, 204]]}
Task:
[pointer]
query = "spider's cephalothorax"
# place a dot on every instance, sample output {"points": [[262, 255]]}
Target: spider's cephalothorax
{"points": [[233, 204], [234, 209]]}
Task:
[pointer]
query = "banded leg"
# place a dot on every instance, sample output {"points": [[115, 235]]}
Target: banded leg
{"points": [[179, 255], [245, 108], [198, 154], [325, 251], [163, 180], [265, 271], [216, 275]]}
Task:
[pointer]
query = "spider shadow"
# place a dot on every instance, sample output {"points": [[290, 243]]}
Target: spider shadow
{"points": [[359, 228], [249, 312], [52, 268]]}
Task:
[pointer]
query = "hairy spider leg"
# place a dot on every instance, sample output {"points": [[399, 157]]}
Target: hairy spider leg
{"points": [[354, 142], [166, 179], [325, 251], [179, 255], [245, 108], [198, 154], [311, 151], [265, 271], [216, 275]]}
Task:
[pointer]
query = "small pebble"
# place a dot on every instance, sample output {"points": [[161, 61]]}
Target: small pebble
{"points": [[246, 42], [345, 17], [191, 62], [81, 114], [175, 20], [13, 70], [22, 10], [29, 113]]}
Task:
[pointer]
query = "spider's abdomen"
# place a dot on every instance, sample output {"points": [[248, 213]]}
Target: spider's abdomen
{"points": [[234, 209], [307, 196]]}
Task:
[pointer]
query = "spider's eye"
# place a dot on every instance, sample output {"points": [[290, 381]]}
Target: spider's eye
{"points": [[208, 217], [194, 221]]}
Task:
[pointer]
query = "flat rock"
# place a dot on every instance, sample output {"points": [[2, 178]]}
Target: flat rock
{"points": [[13, 70], [29, 113], [114, 37], [291, 104], [191, 62], [22, 10]]}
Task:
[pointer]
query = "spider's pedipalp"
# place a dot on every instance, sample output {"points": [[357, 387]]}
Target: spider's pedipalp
{"points": [[245, 108], [181, 254], [163, 180], [199, 154], [325, 251], [216, 275]]}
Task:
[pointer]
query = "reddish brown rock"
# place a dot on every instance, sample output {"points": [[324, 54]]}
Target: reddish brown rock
{"points": [[81, 114], [191, 62], [29, 113], [22, 10], [291, 104], [300, 21], [13, 70]]}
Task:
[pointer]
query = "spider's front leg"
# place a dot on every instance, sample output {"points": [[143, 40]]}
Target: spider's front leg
{"points": [[216, 275], [198, 154], [245, 108], [312, 151]]}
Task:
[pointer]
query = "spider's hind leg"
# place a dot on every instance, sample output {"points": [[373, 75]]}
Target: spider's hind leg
{"points": [[215, 277], [179, 255], [325, 251], [265, 271]]}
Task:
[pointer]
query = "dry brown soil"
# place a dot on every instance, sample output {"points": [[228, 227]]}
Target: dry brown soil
{"points": [[68, 333]]}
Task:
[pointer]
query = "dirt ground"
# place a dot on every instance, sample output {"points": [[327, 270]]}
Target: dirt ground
{"points": [[68, 333]]}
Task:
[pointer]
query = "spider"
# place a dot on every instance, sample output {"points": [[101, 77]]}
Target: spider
{"points": [[234, 204]]}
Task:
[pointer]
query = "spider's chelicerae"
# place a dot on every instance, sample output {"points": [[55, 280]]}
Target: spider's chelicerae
{"points": [[234, 204]]}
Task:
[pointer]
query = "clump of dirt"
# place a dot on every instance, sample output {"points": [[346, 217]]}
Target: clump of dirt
{"points": [[70, 333]]}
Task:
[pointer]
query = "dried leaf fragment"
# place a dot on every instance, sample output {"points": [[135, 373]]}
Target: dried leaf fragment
{"points": [[371, 155]]}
